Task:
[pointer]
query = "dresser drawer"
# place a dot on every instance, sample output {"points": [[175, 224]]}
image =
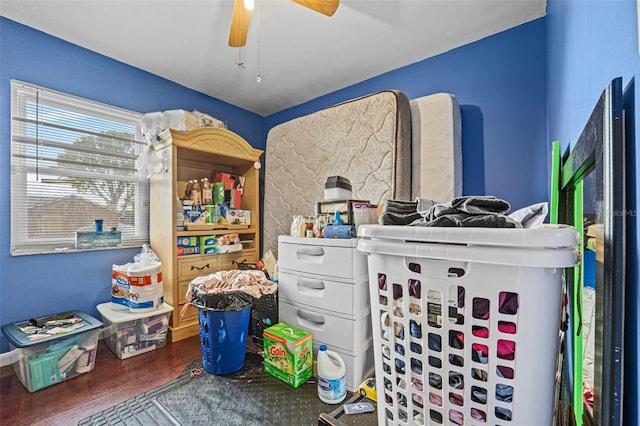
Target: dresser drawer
{"points": [[183, 286], [321, 256], [347, 334], [343, 297], [227, 262], [196, 266], [190, 315]]}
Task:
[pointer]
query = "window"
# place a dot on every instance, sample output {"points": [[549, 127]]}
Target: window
{"points": [[73, 161]]}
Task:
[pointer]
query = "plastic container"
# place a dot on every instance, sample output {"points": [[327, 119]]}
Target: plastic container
{"points": [[337, 188], [49, 360], [466, 321], [365, 214], [129, 334], [223, 338], [332, 387]]}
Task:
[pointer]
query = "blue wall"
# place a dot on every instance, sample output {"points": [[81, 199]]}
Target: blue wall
{"points": [[500, 85], [42, 284], [518, 91], [590, 44]]}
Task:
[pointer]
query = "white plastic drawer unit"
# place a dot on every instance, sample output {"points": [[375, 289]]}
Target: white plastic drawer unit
{"points": [[347, 334], [323, 256], [345, 298], [323, 293]]}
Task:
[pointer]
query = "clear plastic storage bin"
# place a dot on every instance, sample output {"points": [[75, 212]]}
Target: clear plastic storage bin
{"points": [[466, 322], [54, 358], [129, 333]]}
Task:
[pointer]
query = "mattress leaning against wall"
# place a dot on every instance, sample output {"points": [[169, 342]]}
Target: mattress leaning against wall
{"points": [[436, 145], [367, 140]]}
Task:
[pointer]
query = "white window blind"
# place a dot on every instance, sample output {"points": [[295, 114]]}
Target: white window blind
{"points": [[73, 161]]}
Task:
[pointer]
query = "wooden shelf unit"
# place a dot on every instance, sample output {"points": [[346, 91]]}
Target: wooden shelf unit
{"points": [[189, 155]]}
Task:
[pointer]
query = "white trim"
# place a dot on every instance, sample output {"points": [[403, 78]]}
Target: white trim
{"points": [[8, 358]]}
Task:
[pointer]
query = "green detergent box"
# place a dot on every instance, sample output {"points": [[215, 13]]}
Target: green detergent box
{"points": [[208, 244], [288, 353]]}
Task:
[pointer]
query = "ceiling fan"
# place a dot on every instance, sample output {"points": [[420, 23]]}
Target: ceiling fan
{"points": [[242, 15]]}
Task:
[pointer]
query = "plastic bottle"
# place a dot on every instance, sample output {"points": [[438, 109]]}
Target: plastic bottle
{"points": [[337, 220], [332, 385]]}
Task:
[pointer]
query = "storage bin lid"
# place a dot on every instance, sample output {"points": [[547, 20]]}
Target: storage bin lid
{"points": [[21, 340], [548, 236], [337, 182], [115, 316]]}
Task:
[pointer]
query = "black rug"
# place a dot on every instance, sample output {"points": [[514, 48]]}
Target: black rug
{"points": [[247, 397]]}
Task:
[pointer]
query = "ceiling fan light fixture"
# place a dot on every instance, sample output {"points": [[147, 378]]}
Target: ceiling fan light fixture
{"points": [[242, 14]]}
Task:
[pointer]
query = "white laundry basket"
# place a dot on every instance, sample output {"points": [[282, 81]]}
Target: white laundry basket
{"points": [[466, 322]]}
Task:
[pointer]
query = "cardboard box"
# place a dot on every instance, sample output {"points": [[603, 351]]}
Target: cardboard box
{"points": [[129, 333], [288, 353], [233, 197], [180, 119], [92, 239], [230, 181], [238, 217], [48, 357], [208, 244], [188, 245]]}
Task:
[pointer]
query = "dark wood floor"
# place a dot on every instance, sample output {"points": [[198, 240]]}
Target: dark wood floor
{"points": [[111, 382]]}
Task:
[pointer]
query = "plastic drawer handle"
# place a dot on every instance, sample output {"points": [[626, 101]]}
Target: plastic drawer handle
{"points": [[312, 284], [311, 251], [200, 268], [317, 319]]}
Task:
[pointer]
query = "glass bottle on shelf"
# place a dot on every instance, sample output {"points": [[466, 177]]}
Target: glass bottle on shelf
{"points": [[207, 193], [196, 193], [187, 191]]}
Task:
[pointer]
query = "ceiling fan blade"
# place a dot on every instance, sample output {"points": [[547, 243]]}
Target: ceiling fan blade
{"points": [[239, 24], [326, 7]]}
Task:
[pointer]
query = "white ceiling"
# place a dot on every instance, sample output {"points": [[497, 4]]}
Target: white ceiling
{"points": [[298, 53]]}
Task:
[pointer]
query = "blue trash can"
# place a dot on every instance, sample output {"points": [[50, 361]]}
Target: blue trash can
{"points": [[223, 337]]}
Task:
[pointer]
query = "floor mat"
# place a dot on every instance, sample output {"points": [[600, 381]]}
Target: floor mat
{"points": [[247, 397]]}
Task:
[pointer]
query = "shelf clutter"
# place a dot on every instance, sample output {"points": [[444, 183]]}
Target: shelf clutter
{"points": [[206, 205]]}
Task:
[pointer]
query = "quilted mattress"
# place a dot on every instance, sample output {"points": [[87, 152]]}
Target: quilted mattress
{"points": [[437, 152], [367, 140]]}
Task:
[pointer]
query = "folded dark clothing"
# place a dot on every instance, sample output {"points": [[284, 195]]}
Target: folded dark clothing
{"points": [[390, 218], [399, 206], [464, 220], [475, 205]]}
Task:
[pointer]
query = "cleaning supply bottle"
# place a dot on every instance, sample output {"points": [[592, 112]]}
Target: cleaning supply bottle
{"points": [[337, 220], [332, 385]]}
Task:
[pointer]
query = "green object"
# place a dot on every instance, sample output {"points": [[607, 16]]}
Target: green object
{"points": [[578, 285], [208, 244], [93, 239], [288, 353], [218, 192], [44, 370]]}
